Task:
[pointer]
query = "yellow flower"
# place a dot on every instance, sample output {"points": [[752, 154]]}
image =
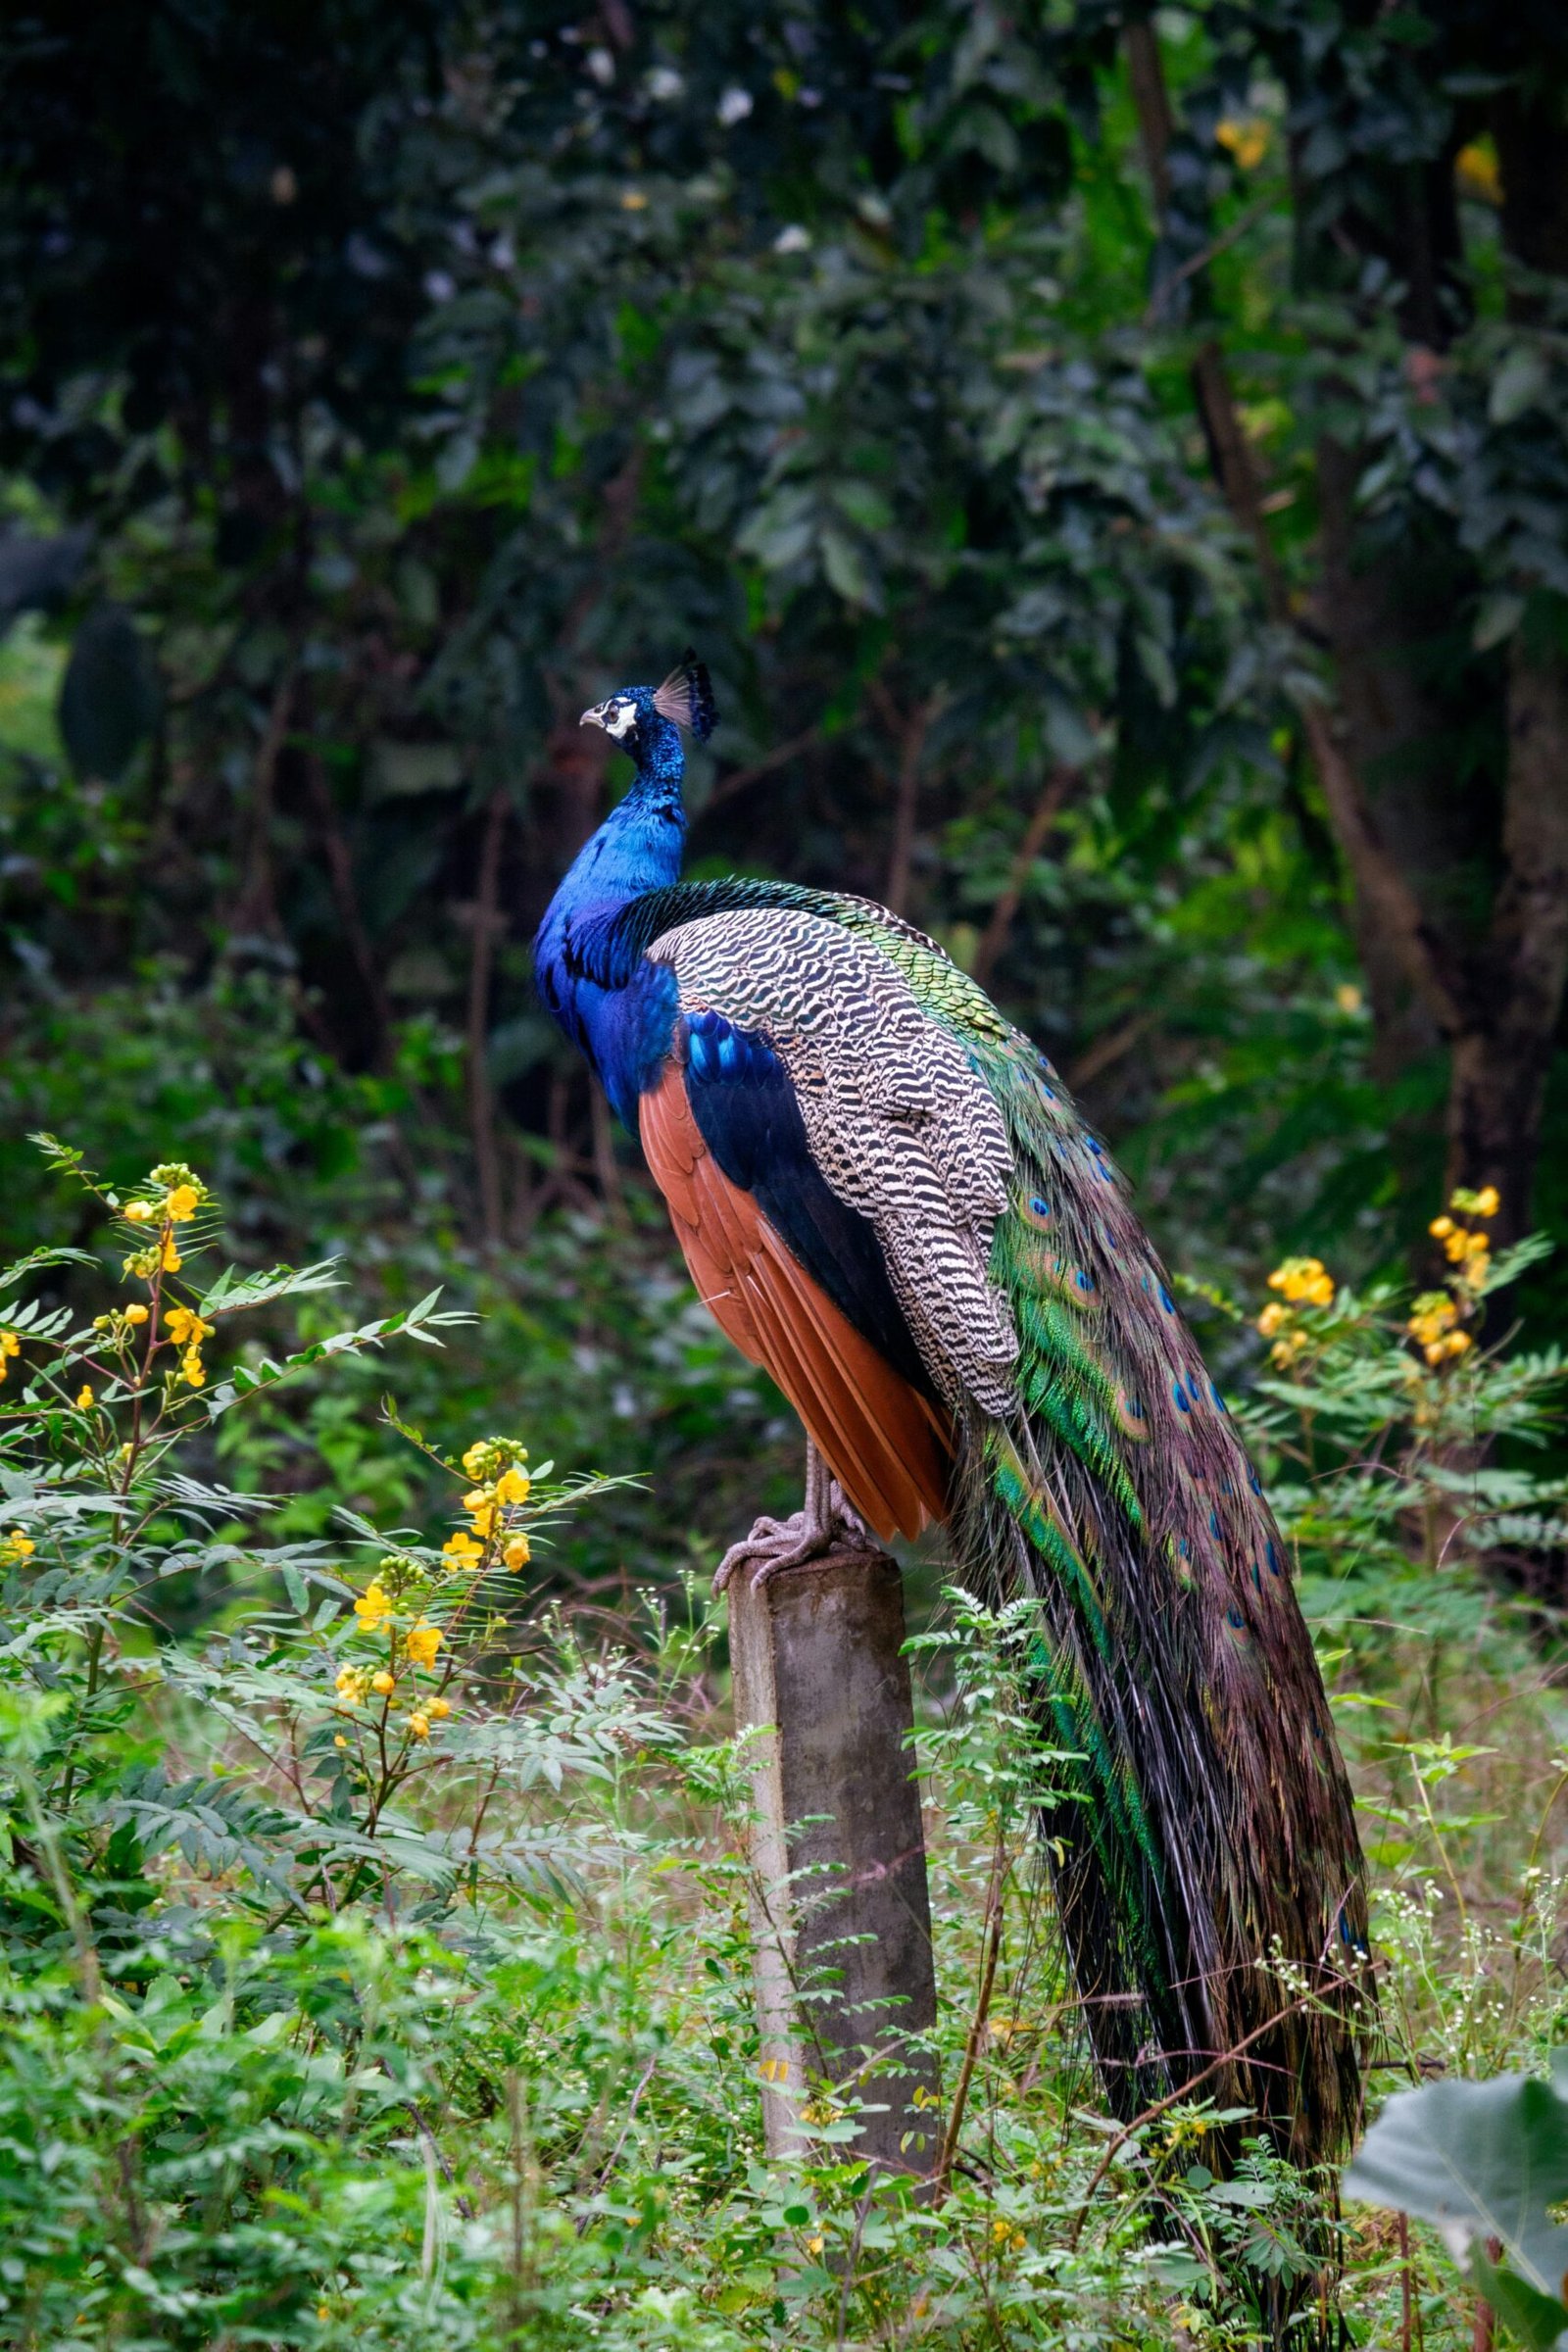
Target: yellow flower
{"points": [[383, 1683], [633, 201], [1305, 1282], [1348, 997], [182, 1203], [1475, 1245], [349, 1685], [185, 1326], [419, 1728], [460, 1551], [171, 1259], [1456, 1244], [483, 1519], [813, 2245], [474, 1459], [135, 1313], [20, 1546], [83, 1399], [1246, 141], [338, 1740], [138, 1213], [1458, 1342], [478, 1499], [1440, 1228], [517, 1553], [372, 1608], [1476, 170], [9, 1344], [1488, 1201], [438, 1710], [1000, 2229], [514, 1487], [422, 1644], [190, 1368], [1274, 1315], [1019, 2241]]}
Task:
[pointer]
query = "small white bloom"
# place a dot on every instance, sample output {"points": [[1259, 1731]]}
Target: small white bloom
{"points": [[664, 83], [735, 105], [601, 65], [793, 239]]}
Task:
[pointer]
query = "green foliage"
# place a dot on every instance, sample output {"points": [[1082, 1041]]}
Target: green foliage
{"points": [[1486, 2162]]}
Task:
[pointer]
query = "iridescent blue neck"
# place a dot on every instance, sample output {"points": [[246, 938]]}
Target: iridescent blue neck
{"points": [[639, 847]]}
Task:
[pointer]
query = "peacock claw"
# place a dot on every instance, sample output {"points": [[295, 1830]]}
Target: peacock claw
{"points": [[803, 1541]]}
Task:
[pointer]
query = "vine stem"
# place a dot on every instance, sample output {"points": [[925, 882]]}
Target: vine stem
{"points": [[991, 1952]]}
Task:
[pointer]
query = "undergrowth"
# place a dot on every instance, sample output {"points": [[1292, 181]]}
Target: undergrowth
{"points": [[376, 1958]]}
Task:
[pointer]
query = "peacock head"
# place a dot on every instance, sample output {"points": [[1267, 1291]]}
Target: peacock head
{"points": [[685, 699]]}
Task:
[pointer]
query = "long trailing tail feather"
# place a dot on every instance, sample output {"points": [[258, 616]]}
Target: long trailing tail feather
{"points": [[1208, 1875]]}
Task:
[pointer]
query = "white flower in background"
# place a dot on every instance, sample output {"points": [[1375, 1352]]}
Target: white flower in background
{"points": [[664, 83], [735, 105], [793, 239], [601, 65]]}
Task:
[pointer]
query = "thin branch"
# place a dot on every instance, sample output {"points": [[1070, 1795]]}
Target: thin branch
{"points": [[991, 1953], [481, 1095], [1054, 795]]}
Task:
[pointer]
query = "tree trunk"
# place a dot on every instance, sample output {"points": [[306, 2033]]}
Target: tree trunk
{"points": [[1503, 1053]]}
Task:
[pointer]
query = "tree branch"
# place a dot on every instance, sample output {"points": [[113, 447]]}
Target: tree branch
{"points": [[1054, 795]]}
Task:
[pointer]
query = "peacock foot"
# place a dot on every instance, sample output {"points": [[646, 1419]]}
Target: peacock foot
{"points": [[803, 1541]]}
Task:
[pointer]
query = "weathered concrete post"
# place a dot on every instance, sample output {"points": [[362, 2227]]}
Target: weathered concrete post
{"points": [[841, 1916]]}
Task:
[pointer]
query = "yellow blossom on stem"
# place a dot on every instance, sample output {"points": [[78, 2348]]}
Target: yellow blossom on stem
{"points": [[372, 1608], [182, 1203], [1488, 1201], [191, 1368], [19, 1546], [338, 1740], [135, 1313], [83, 1399], [1440, 1228], [383, 1683], [169, 1259], [438, 1710], [1305, 1282], [1273, 1318], [517, 1553], [419, 1725], [138, 1213], [460, 1551], [422, 1643], [1246, 141], [513, 1485], [185, 1326], [351, 1685], [474, 1459]]}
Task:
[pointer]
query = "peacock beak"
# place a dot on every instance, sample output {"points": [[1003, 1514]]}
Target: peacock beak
{"points": [[594, 717]]}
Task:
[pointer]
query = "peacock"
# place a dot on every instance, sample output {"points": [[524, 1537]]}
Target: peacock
{"points": [[887, 1197]]}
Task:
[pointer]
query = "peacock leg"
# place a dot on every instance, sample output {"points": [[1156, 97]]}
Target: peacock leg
{"points": [[824, 1524]]}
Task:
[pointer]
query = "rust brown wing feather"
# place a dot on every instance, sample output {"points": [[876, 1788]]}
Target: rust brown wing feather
{"points": [[882, 1439]]}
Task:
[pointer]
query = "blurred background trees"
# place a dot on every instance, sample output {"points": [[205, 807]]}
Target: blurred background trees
{"points": [[1113, 462]]}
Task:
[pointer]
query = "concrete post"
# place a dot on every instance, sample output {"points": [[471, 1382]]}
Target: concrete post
{"points": [[841, 1916]]}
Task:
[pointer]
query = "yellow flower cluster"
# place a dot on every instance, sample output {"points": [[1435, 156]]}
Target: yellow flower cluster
{"points": [[10, 1346], [187, 1330], [1434, 1316], [1304, 1281], [421, 1642], [501, 1483], [15, 1548]]}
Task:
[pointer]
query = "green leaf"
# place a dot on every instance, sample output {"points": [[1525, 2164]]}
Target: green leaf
{"points": [[1518, 383], [1481, 2160]]}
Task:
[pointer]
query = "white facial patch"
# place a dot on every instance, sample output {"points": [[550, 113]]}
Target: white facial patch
{"points": [[619, 717]]}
